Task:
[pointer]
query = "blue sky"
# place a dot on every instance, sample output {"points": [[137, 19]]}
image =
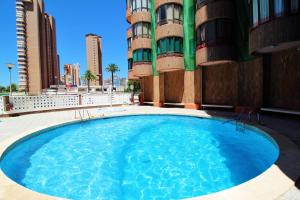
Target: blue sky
{"points": [[74, 19]]}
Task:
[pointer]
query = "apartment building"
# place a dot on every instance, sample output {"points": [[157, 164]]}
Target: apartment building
{"points": [[94, 57], [36, 43], [234, 54]]}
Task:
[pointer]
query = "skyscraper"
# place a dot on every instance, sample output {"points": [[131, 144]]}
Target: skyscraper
{"points": [[36, 42], [94, 57]]}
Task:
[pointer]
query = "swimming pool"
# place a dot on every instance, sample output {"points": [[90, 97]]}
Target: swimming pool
{"points": [[139, 157]]}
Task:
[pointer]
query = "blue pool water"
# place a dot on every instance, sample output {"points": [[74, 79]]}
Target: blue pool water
{"points": [[139, 157]]}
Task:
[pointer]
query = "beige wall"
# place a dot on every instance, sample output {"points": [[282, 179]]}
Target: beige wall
{"points": [[34, 54], [94, 57], [220, 84], [282, 80], [42, 64], [174, 86]]}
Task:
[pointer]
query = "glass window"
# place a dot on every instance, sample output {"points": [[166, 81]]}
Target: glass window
{"points": [[140, 5], [178, 45], [264, 10], [200, 3], [215, 32], [141, 29], [158, 48], [203, 33], [144, 4], [128, 4], [142, 55], [135, 55], [176, 12], [164, 46], [162, 15], [129, 42], [255, 12], [130, 64], [210, 32], [133, 5], [169, 45], [169, 13], [278, 7], [294, 6]]}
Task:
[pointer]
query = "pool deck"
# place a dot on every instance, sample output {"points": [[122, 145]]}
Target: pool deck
{"points": [[277, 183]]}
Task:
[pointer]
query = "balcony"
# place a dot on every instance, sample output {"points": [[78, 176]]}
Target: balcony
{"points": [[214, 55], [214, 10], [131, 75], [159, 3], [128, 15], [141, 43], [170, 62], [142, 69], [168, 30], [141, 16], [275, 35]]}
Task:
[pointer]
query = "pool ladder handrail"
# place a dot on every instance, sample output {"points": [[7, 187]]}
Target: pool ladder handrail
{"points": [[239, 123], [83, 114]]}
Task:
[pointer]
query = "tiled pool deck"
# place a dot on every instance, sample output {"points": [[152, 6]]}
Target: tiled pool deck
{"points": [[276, 183]]}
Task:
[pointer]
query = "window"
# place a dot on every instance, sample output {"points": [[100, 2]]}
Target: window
{"points": [[200, 3], [129, 43], [140, 5], [128, 4], [170, 45], [169, 13], [255, 12], [278, 7], [264, 10], [141, 29], [294, 6], [130, 64], [217, 31], [142, 55]]}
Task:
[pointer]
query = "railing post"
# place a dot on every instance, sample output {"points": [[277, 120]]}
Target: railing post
{"points": [[80, 99], [6, 104]]}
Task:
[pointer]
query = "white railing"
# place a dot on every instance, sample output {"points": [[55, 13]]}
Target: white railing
{"points": [[20, 104], [106, 99], [1, 105], [39, 103]]}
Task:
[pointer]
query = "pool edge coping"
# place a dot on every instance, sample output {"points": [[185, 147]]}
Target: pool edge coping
{"points": [[256, 188]]}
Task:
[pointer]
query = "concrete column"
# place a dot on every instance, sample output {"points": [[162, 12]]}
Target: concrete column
{"points": [[142, 94], [6, 105], [193, 89], [158, 91]]}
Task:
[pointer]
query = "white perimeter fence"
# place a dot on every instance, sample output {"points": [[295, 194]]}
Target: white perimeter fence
{"points": [[19, 104]]}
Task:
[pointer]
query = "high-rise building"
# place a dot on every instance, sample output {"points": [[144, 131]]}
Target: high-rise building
{"points": [[234, 54], [72, 73], [94, 57], [36, 42]]}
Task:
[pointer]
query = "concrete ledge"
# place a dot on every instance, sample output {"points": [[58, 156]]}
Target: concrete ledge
{"points": [[276, 110]]}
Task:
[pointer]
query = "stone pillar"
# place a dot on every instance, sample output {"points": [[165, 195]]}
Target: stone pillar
{"points": [[158, 91], [6, 105], [142, 94], [193, 89]]}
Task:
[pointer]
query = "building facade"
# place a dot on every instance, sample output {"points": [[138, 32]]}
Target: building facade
{"points": [[94, 57], [72, 75], [241, 54], [36, 43]]}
